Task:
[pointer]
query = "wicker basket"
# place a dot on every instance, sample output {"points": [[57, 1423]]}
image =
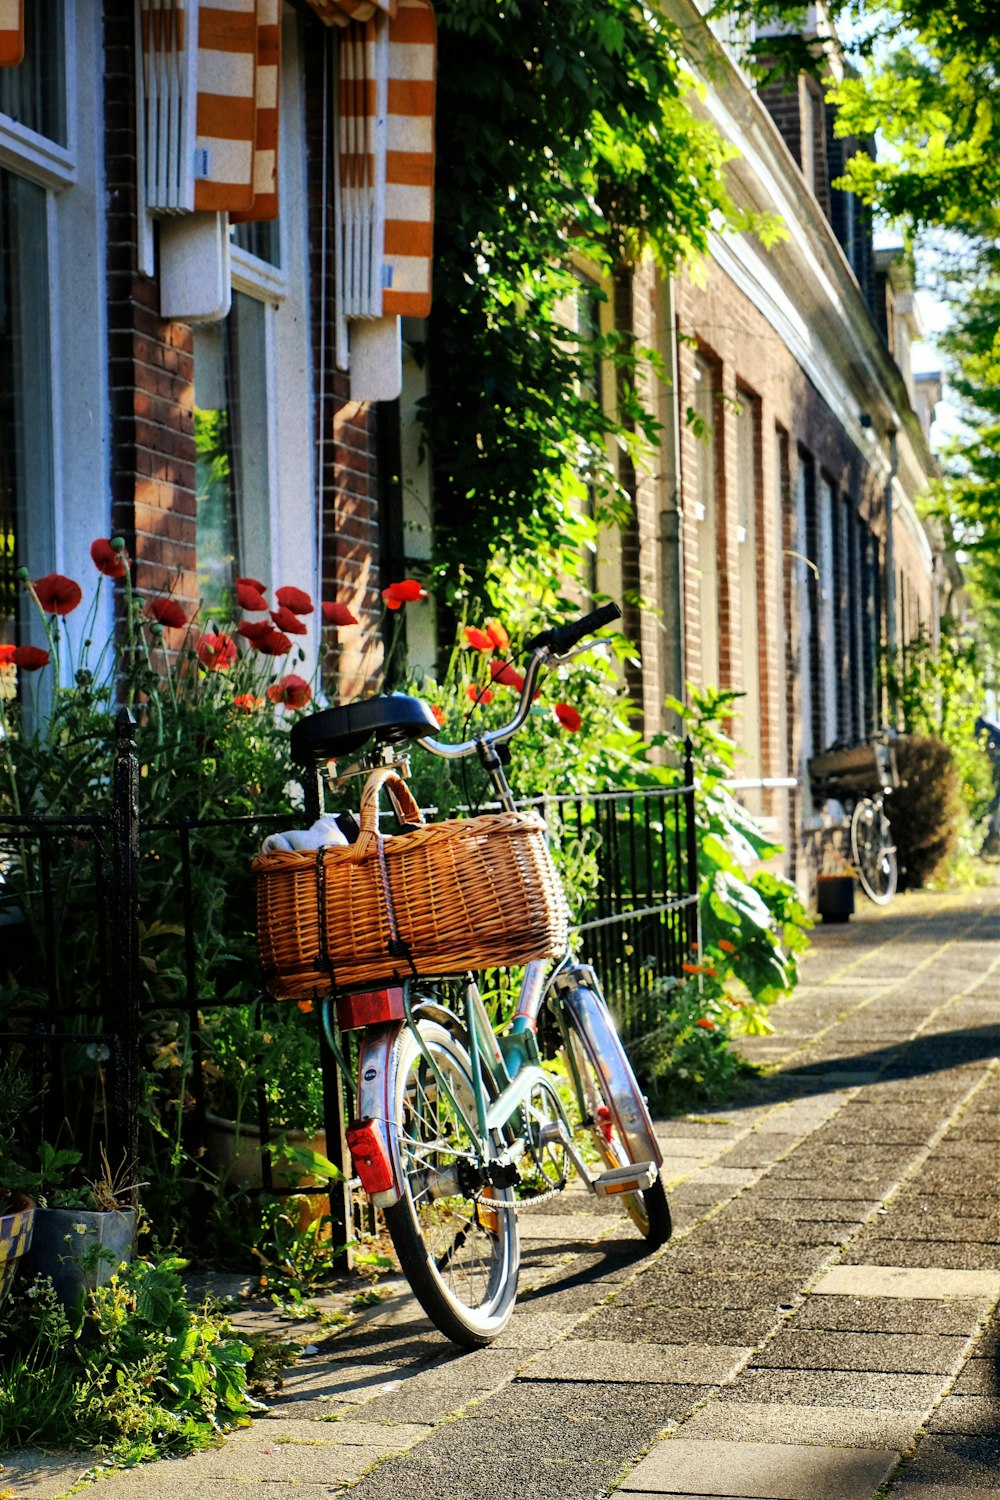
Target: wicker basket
{"points": [[439, 899]]}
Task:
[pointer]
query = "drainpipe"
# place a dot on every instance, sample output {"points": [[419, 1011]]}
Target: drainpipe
{"points": [[890, 569], [671, 516]]}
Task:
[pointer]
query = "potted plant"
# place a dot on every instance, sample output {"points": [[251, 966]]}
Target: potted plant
{"points": [[17, 1205], [82, 1233], [835, 893]]}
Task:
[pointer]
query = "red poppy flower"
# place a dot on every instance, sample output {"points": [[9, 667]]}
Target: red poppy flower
{"points": [[247, 703], [217, 652], [7, 655], [272, 643], [167, 611], [111, 561], [286, 620], [727, 946], [699, 969], [338, 614], [30, 658], [438, 714], [296, 600], [478, 695], [250, 594], [705, 1024], [407, 591], [58, 594], [291, 691], [477, 639], [305, 1006], [497, 635], [506, 675], [255, 630], [568, 717]]}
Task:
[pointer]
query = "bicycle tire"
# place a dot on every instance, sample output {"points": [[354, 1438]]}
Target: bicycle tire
{"points": [[460, 1260], [873, 851], [616, 1117]]}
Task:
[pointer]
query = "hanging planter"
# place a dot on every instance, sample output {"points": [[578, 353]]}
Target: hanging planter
{"points": [[16, 1230]]}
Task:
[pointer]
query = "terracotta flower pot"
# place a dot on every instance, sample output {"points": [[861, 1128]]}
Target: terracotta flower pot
{"points": [[16, 1230]]}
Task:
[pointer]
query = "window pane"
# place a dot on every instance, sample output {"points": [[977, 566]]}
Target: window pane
{"points": [[231, 470], [32, 94], [25, 395], [260, 239]]}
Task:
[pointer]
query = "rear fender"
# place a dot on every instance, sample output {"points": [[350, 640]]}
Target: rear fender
{"points": [[374, 1100]]}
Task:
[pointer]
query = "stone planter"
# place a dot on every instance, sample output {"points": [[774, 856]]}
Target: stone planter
{"points": [[232, 1148], [835, 897], [16, 1231], [80, 1249]]}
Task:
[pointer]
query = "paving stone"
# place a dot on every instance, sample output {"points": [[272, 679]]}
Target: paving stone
{"points": [[759, 1149], [809, 1188], [747, 1230], [904, 1489], [800, 1260], [968, 1256], [730, 1177], [786, 1423], [676, 1326], [889, 1353], [910, 1282], [979, 1377], [585, 1400], [31, 1474], [492, 1478], [860, 1389], [612, 1440], [884, 1315], [766, 1471], [603, 1360], [710, 1289], [972, 1462], [967, 1414]]}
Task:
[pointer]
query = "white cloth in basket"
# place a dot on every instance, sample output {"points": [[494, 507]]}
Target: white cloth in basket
{"points": [[324, 831]]}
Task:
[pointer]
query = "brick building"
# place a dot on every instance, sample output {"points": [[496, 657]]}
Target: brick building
{"points": [[187, 381]]}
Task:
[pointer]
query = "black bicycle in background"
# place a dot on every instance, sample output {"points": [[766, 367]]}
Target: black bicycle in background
{"points": [[861, 777]]}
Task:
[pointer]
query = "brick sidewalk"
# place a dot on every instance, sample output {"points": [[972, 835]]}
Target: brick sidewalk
{"points": [[817, 1328]]}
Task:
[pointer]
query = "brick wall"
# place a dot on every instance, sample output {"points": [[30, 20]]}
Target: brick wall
{"points": [[150, 362], [345, 429]]}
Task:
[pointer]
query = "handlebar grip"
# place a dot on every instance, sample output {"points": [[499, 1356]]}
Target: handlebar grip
{"points": [[562, 638]]}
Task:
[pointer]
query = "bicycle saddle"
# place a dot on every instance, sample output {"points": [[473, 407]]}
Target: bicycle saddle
{"points": [[332, 733]]}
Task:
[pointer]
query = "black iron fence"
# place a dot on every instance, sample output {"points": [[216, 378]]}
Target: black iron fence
{"points": [[129, 990]]}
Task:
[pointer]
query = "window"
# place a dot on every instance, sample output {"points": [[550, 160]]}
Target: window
{"points": [[706, 512], [33, 94], [748, 543], [231, 464]]}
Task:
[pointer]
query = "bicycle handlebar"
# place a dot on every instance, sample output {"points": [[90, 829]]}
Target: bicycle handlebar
{"points": [[548, 648]]}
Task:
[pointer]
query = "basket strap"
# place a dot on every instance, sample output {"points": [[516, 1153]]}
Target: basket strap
{"points": [[383, 776], [323, 960], [397, 947]]}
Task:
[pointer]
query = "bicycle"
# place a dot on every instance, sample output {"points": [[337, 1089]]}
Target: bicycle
{"points": [[455, 1129], [862, 776]]}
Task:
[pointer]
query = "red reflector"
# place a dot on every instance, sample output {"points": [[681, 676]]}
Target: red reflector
{"points": [[368, 1153], [369, 1008], [605, 1123]]}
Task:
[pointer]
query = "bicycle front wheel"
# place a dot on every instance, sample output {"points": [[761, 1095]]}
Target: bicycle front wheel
{"points": [[873, 851], [458, 1251], [612, 1107]]}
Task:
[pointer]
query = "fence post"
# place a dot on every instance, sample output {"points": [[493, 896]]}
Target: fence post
{"points": [[122, 1018], [691, 832]]}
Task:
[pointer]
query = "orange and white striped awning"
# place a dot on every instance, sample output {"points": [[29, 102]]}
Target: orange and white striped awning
{"points": [[210, 101], [11, 33], [385, 154]]}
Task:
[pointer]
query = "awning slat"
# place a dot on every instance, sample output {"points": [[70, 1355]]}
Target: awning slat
{"points": [[11, 33]]}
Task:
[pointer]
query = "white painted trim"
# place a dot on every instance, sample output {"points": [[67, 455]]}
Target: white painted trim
{"points": [[34, 156], [257, 277]]}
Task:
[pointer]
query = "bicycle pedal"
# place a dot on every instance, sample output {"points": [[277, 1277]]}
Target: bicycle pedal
{"points": [[634, 1177]]}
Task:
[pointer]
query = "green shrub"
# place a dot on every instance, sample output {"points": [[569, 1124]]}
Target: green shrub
{"points": [[926, 811]]}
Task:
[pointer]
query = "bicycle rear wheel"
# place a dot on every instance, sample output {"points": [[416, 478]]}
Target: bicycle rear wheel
{"points": [[873, 851], [460, 1255], [612, 1107]]}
